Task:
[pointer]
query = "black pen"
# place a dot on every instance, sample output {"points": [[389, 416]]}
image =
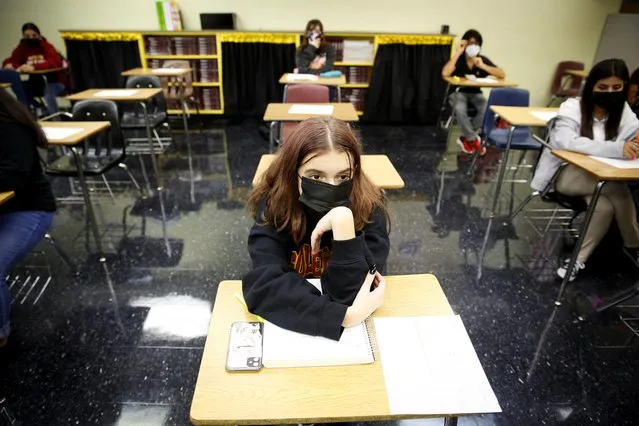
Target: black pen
{"points": [[373, 271]]}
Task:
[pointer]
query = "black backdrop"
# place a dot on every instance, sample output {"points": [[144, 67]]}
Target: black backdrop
{"points": [[98, 64], [251, 75], [406, 85]]}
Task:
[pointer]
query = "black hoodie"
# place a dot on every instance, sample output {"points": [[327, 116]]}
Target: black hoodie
{"points": [[276, 287]]}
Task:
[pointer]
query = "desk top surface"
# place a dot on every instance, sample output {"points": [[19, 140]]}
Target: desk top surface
{"points": [[601, 170], [5, 85], [377, 167], [578, 73], [78, 130], [157, 72], [301, 395], [279, 112], [523, 116], [121, 95], [464, 82], [47, 71], [5, 196], [336, 81]]}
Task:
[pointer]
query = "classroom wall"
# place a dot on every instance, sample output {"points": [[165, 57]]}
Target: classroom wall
{"points": [[526, 37]]}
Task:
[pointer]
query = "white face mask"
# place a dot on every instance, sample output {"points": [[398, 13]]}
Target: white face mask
{"points": [[473, 50]]}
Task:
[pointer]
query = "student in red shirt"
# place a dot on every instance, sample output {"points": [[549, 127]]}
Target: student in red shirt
{"points": [[34, 52]]}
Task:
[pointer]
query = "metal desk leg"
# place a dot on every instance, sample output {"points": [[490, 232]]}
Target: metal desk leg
{"points": [[450, 421], [339, 94], [441, 110], [498, 185], [184, 108], [271, 137], [580, 240], [87, 200]]}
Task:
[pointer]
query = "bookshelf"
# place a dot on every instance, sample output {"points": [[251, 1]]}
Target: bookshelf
{"points": [[355, 56]]}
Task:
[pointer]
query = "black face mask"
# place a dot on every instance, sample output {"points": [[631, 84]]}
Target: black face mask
{"points": [[610, 101], [322, 197], [31, 42]]}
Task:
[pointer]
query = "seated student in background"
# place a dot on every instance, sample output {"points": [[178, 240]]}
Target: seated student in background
{"points": [[24, 219], [600, 123], [633, 92], [34, 52], [468, 61], [315, 55], [317, 216]]}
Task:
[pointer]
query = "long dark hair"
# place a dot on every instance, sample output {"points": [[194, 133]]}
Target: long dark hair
{"points": [[31, 26], [12, 111], [279, 187], [309, 27], [602, 70]]}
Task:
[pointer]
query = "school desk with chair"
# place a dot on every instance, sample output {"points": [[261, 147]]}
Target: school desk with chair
{"points": [[412, 359]]}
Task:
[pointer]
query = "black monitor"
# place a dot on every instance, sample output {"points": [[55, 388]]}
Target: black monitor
{"points": [[217, 21]]}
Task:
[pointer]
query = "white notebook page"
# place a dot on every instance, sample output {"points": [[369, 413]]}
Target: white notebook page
{"points": [[430, 367], [59, 133], [311, 109], [618, 163], [301, 77], [544, 115], [119, 93]]}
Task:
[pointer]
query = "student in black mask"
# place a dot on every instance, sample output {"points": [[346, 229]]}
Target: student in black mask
{"points": [[600, 123], [317, 216], [34, 52]]}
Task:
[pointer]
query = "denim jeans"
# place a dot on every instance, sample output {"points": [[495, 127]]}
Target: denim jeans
{"points": [[20, 232], [459, 101], [12, 77]]}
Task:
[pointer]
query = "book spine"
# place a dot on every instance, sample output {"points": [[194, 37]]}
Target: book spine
{"points": [[159, 8]]}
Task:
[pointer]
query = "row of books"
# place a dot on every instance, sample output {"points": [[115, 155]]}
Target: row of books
{"points": [[208, 98], [204, 71], [347, 50], [356, 74], [181, 45], [355, 96]]}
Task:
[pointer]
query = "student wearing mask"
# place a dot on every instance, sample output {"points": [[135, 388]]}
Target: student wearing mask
{"points": [[34, 52], [468, 61], [24, 219], [315, 55], [317, 215], [600, 123]]}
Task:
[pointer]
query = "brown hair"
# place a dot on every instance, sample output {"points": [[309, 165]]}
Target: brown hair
{"points": [[278, 188], [309, 27]]}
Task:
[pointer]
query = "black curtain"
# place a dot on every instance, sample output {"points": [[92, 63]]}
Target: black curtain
{"points": [[251, 75], [99, 64], [406, 85]]}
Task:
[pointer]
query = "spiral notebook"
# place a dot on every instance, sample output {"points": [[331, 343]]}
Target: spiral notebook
{"points": [[284, 349]]}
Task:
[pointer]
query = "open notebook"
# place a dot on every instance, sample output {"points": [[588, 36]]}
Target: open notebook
{"points": [[283, 348]]}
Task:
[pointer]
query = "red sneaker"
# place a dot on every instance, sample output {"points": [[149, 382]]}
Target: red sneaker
{"points": [[476, 144], [466, 147]]}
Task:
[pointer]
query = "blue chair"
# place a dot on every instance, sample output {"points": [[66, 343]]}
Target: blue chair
{"points": [[513, 138]]}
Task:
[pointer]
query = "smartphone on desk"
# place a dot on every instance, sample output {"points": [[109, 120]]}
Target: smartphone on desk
{"points": [[245, 346]]}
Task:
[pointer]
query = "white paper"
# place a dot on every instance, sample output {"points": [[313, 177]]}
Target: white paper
{"points": [[430, 367], [544, 116], [117, 93], [486, 80], [59, 133], [309, 109], [618, 163], [301, 77], [167, 70]]}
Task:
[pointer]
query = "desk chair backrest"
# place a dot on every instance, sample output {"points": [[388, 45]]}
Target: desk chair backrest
{"points": [[306, 94], [575, 82], [506, 96], [155, 105], [173, 92], [104, 143]]}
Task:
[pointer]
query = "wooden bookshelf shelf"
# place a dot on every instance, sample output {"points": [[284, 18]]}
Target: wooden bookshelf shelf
{"points": [[182, 57], [206, 84], [353, 64], [355, 86], [192, 111]]}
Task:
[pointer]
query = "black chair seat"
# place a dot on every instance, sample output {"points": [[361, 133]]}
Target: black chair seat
{"points": [[131, 120], [92, 165], [576, 203]]}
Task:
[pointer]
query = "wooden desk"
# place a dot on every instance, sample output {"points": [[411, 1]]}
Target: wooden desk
{"points": [[322, 81], [601, 171], [522, 116], [577, 73], [38, 72], [88, 129], [464, 82], [157, 72], [5, 85], [139, 95], [279, 112], [301, 395], [6, 196], [377, 167]]}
